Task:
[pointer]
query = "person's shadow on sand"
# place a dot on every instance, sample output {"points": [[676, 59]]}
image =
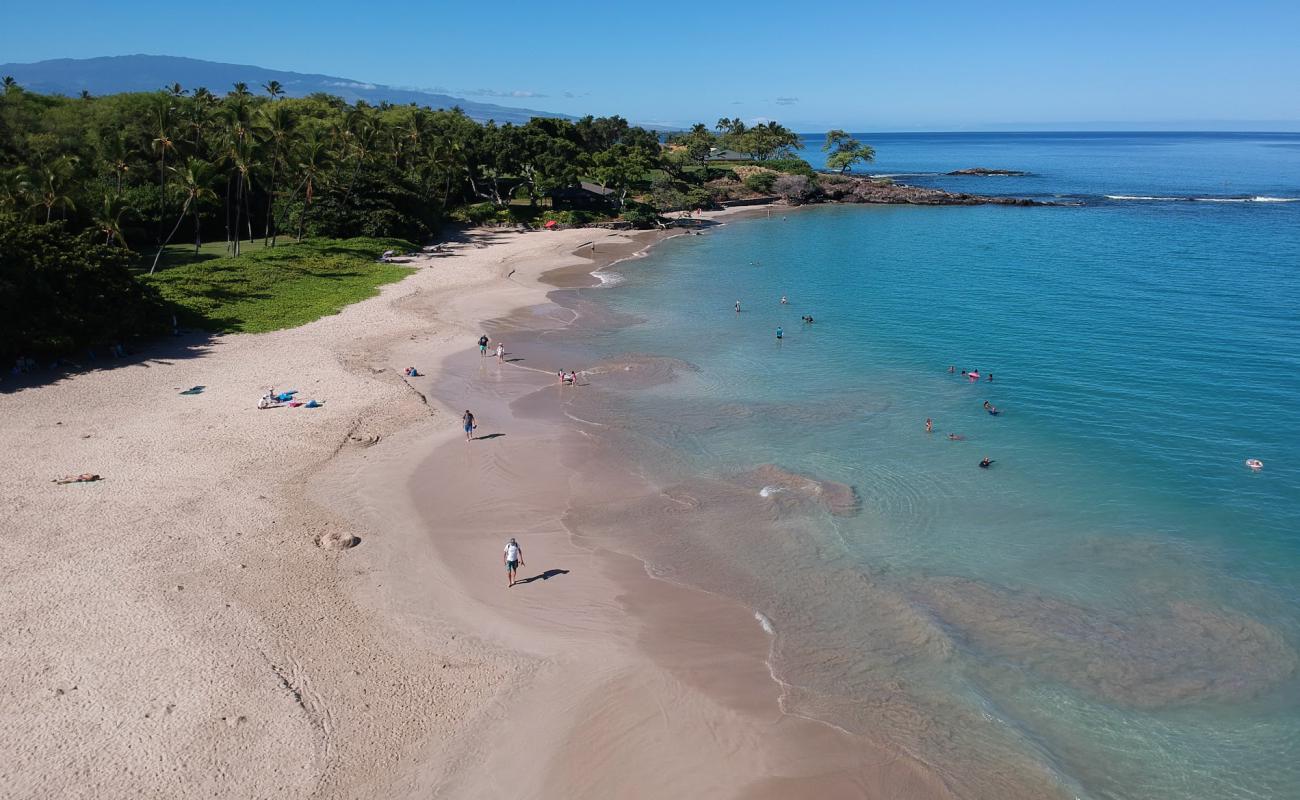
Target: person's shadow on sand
{"points": [[545, 576], [488, 436]]}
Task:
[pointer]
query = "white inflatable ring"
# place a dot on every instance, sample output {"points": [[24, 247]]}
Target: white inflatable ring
{"points": [[1255, 464]]}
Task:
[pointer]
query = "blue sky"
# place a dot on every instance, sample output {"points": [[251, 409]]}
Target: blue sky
{"points": [[864, 66]]}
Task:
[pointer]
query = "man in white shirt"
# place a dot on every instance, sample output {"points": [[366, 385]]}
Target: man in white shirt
{"points": [[513, 558]]}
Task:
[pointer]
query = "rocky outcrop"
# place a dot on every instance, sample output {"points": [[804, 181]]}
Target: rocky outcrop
{"points": [[867, 190], [986, 171]]}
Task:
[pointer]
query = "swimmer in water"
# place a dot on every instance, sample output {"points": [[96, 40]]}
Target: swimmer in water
{"points": [[952, 369], [737, 306], [955, 437], [929, 425], [784, 301], [984, 462], [780, 334], [990, 377], [989, 407]]}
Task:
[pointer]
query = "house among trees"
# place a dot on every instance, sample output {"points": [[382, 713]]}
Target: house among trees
{"points": [[583, 196]]}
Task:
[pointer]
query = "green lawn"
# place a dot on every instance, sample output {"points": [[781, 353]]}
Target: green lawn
{"points": [[266, 289]]}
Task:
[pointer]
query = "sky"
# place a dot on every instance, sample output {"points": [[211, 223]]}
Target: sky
{"points": [[862, 66]]}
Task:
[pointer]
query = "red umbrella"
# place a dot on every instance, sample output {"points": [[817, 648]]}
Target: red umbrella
{"points": [[551, 223]]}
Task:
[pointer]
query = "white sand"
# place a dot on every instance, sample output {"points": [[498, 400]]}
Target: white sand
{"points": [[175, 630]]}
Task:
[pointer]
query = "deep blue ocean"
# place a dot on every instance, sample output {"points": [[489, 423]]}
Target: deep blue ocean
{"points": [[1117, 598]]}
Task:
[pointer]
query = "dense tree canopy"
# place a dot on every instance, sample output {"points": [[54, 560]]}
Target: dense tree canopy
{"points": [[109, 182]]}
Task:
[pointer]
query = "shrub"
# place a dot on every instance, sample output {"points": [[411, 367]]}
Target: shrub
{"points": [[760, 181], [60, 293], [478, 214], [793, 166], [641, 216]]}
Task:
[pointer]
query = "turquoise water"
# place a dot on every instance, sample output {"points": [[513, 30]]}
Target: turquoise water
{"points": [[1116, 598]]}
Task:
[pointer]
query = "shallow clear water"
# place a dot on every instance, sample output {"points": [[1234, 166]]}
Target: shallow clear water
{"points": [[1118, 594]]}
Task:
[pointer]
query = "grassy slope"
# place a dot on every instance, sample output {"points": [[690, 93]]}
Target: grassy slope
{"points": [[272, 288]]}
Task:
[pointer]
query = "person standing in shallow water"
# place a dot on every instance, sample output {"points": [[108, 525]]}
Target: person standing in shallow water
{"points": [[513, 557], [737, 306], [501, 353], [929, 425], [468, 421], [482, 345]]}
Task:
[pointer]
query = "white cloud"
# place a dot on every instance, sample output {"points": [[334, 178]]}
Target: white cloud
{"points": [[786, 101], [516, 93]]}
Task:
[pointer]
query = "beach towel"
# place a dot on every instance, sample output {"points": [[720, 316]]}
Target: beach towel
{"points": [[194, 390], [314, 404]]}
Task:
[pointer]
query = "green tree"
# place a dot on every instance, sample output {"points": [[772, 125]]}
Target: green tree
{"points": [[196, 178], [844, 151], [619, 167], [162, 145], [109, 219], [51, 186], [276, 129], [274, 89]]}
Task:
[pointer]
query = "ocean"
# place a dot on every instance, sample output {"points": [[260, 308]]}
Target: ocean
{"points": [[1115, 601]]}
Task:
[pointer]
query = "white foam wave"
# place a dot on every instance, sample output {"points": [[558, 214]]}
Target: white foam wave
{"points": [[768, 491], [765, 622], [1254, 199], [608, 278]]}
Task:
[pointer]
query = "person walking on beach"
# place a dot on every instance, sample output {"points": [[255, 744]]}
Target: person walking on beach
{"points": [[513, 556], [501, 352], [482, 345], [468, 421]]}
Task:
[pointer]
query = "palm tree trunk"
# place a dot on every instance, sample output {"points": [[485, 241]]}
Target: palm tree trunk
{"points": [[229, 181], [162, 192], [270, 202], [198, 231], [184, 210], [239, 194]]}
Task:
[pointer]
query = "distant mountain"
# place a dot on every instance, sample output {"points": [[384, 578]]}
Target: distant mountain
{"points": [[141, 73]]}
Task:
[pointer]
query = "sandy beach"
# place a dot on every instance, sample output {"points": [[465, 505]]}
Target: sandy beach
{"points": [[303, 602]]}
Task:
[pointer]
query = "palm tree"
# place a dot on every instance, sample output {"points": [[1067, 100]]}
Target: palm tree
{"points": [[274, 89], [162, 143], [109, 219], [52, 186], [10, 85], [240, 91], [312, 159], [175, 91], [115, 152], [276, 128], [196, 178], [199, 117], [85, 94], [237, 152]]}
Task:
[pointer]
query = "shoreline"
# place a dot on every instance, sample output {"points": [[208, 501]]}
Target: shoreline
{"points": [[400, 666], [588, 598]]}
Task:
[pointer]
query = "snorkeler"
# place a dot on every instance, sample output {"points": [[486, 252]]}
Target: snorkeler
{"points": [[984, 462]]}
